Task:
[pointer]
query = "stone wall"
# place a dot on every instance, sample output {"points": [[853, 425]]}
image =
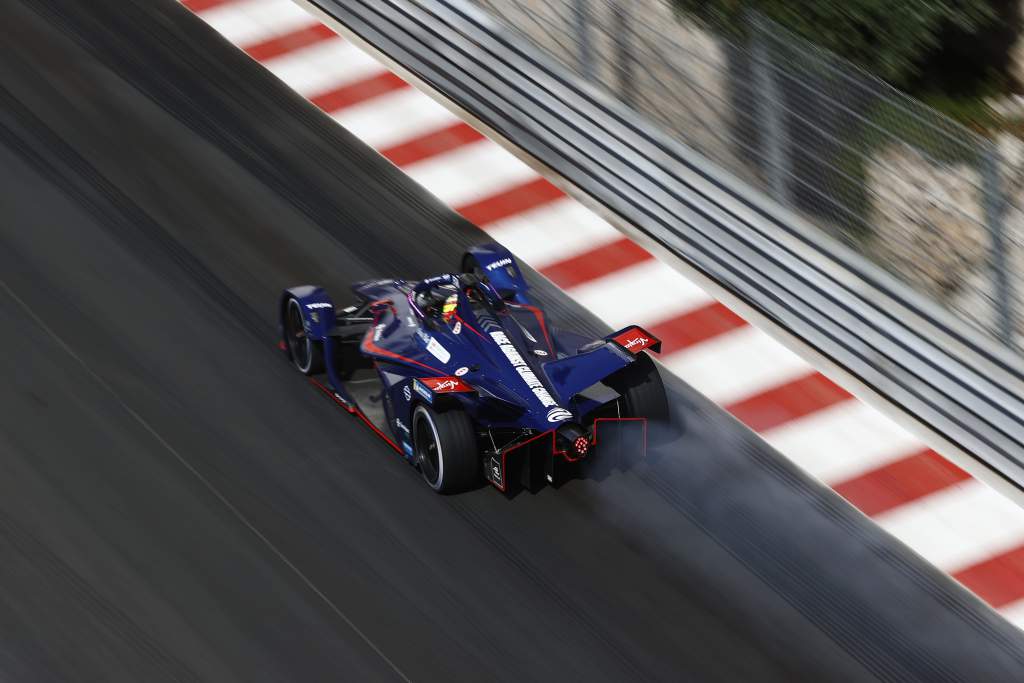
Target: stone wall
{"points": [[930, 227]]}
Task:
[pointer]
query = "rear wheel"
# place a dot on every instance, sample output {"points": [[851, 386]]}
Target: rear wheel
{"points": [[307, 354], [643, 394], [446, 449]]}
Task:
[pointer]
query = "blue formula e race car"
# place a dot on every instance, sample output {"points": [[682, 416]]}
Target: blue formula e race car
{"points": [[462, 375]]}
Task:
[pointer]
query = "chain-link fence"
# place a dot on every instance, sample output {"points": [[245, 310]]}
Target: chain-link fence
{"points": [[920, 195]]}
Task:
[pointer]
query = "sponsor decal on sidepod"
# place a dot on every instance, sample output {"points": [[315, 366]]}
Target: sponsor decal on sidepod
{"points": [[423, 391], [438, 351]]}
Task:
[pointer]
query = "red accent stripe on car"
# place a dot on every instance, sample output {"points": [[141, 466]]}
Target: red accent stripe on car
{"points": [[696, 326], [787, 402], [595, 263], [516, 200], [359, 91], [430, 145], [367, 346], [293, 40], [998, 580], [358, 413], [900, 482]]}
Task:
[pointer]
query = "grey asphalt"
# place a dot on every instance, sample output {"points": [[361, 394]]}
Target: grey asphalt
{"points": [[177, 504]]}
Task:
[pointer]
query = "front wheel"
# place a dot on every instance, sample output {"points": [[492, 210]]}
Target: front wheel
{"points": [[307, 354], [471, 266], [446, 449]]}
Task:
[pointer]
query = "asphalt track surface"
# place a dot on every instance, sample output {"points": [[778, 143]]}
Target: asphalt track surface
{"points": [[177, 504]]}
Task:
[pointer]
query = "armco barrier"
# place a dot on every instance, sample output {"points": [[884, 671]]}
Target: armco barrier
{"points": [[896, 350]]}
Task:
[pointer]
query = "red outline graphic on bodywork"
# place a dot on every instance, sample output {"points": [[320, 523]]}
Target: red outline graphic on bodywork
{"points": [[353, 410], [554, 451]]}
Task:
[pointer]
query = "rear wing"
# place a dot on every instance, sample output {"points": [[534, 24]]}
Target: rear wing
{"points": [[569, 376]]}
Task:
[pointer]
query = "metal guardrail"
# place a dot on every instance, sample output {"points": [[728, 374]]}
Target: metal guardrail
{"points": [[925, 198], [965, 393]]}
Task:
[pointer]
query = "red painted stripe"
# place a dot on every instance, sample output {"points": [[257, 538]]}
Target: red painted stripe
{"points": [[695, 326], [202, 5], [787, 402], [594, 263], [900, 482], [432, 144], [998, 580], [295, 40], [511, 202], [360, 91]]}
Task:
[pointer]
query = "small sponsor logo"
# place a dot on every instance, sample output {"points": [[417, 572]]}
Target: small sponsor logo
{"points": [[559, 415], [635, 339], [423, 336], [499, 263], [315, 316], [437, 351], [539, 352], [401, 425], [407, 449], [407, 393], [321, 305], [461, 371], [410, 321], [457, 328], [526, 333], [450, 279], [378, 331], [496, 471], [423, 391], [444, 385]]}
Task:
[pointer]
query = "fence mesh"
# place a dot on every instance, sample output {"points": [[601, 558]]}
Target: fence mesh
{"points": [[921, 196]]}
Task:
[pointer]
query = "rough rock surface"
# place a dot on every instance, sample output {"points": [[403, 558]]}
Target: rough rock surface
{"points": [[931, 230]]}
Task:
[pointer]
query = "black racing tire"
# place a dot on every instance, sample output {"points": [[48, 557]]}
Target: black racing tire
{"points": [[471, 266], [307, 354], [643, 394], [446, 449]]}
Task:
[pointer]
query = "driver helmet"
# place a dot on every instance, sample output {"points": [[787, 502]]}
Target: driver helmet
{"points": [[449, 306]]}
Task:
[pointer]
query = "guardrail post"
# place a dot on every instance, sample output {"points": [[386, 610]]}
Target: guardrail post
{"points": [[623, 32], [585, 55], [995, 206], [769, 104]]}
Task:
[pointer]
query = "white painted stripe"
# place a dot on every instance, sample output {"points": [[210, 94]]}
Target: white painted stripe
{"points": [[957, 527], [248, 22], [323, 66], [737, 365], [553, 232], [1014, 613], [394, 118], [626, 297], [470, 173], [842, 441]]}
